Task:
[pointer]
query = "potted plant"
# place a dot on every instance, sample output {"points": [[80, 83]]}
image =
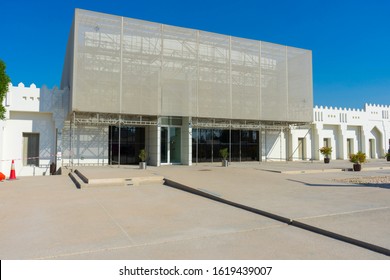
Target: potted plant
{"points": [[387, 156], [326, 151], [357, 160], [224, 154], [142, 157]]}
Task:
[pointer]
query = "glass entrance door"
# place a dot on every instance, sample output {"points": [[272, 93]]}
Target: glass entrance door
{"points": [[164, 145], [174, 144], [170, 145]]}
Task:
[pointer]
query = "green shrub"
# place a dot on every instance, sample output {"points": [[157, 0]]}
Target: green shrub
{"points": [[224, 153], [326, 151], [142, 155], [358, 158]]}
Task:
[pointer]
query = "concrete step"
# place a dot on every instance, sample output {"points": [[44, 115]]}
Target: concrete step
{"points": [[76, 180], [82, 181]]}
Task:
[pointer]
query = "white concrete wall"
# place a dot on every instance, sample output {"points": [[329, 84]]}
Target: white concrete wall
{"points": [[186, 142], [22, 98], [294, 146], [30, 110], [275, 145], [153, 142], [353, 132], [25, 122], [3, 163]]}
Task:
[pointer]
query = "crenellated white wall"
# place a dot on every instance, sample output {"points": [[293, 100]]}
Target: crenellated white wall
{"points": [[368, 130], [22, 98], [31, 110]]}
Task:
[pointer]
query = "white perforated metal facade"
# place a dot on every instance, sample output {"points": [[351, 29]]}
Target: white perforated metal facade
{"points": [[128, 66]]}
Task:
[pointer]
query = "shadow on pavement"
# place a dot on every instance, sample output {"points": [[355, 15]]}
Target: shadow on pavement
{"points": [[372, 185]]}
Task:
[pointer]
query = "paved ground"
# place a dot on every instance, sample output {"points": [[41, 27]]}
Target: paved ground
{"points": [[49, 218]]}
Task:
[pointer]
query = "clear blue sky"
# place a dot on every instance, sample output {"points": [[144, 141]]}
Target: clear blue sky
{"points": [[350, 40]]}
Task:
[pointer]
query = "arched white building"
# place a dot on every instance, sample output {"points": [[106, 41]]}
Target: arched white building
{"points": [[346, 131]]}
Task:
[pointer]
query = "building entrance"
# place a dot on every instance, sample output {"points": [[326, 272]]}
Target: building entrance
{"points": [[170, 145], [349, 146], [301, 149]]}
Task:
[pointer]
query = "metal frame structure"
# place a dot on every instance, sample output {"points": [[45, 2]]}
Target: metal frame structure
{"points": [[239, 124], [106, 119]]}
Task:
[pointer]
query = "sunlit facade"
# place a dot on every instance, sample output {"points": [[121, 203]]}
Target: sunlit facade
{"points": [[181, 94]]}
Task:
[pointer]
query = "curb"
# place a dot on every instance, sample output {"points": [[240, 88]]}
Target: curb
{"points": [[74, 180]]}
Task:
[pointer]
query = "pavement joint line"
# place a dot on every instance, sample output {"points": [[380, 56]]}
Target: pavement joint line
{"points": [[115, 222], [160, 242], [307, 227], [344, 213]]}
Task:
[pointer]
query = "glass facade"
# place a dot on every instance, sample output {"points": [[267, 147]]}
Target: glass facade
{"points": [[201, 143], [132, 140], [249, 145], [243, 145], [175, 144], [220, 141]]}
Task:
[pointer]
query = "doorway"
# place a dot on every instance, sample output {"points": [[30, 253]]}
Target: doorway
{"points": [[170, 145], [326, 142], [301, 149], [372, 148], [349, 146]]}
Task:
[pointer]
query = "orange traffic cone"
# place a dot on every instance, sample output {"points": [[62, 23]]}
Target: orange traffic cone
{"points": [[12, 175], [2, 177]]}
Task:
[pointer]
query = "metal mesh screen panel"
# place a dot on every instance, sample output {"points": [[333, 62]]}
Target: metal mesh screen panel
{"points": [[98, 60], [67, 71], [68, 67], [245, 72], [214, 91], [130, 66], [300, 104], [274, 82], [141, 67], [179, 71]]}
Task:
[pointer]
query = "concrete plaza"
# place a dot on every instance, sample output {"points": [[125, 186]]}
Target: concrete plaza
{"points": [[49, 218]]}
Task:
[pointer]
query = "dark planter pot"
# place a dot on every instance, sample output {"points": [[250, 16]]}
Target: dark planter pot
{"points": [[326, 160], [357, 167], [388, 158], [142, 165], [225, 163]]}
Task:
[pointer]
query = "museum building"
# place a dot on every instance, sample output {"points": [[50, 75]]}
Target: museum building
{"points": [[179, 93], [182, 95]]}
